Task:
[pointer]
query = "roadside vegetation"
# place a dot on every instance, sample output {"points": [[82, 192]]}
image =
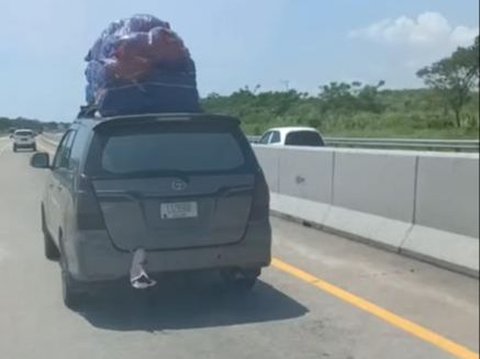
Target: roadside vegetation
{"points": [[8, 123], [447, 108]]}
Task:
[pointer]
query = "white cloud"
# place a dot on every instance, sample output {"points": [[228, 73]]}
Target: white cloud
{"points": [[430, 30], [407, 44], [463, 35]]}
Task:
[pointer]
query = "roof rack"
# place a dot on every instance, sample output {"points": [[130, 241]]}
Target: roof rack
{"points": [[88, 111], [91, 113]]}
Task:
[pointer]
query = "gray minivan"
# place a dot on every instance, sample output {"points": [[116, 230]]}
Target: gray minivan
{"points": [[186, 189]]}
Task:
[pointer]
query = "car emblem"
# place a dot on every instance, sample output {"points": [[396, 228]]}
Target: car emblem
{"points": [[179, 185]]}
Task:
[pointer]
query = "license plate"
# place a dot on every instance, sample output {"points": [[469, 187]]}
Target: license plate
{"points": [[175, 210]]}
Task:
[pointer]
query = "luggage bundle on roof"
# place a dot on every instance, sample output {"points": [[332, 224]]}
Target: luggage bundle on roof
{"points": [[140, 65]]}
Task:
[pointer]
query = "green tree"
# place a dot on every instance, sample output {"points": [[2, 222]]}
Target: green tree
{"points": [[347, 98], [337, 97], [368, 98], [454, 77]]}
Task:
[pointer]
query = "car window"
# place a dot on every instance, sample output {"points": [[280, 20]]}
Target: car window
{"points": [[62, 155], [304, 138], [275, 138], [265, 138], [157, 149], [78, 147], [23, 133]]}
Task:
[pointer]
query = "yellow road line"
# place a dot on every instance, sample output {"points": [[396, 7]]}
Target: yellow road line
{"points": [[406, 325]]}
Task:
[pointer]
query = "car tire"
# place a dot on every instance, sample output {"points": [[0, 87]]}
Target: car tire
{"points": [[50, 248], [71, 296], [240, 279]]}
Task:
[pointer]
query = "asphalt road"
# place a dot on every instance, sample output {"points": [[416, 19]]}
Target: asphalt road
{"points": [[287, 315]]}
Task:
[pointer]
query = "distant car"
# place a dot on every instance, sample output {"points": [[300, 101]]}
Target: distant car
{"points": [[184, 189], [24, 139], [292, 136]]}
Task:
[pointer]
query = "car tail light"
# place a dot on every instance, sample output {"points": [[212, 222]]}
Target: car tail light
{"points": [[89, 214], [261, 198]]}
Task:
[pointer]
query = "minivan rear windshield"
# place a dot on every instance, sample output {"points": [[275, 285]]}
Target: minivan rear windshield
{"points": [[163, 148]]}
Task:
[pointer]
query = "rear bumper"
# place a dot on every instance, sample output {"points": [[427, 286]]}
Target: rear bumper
{"points": [[91, 256]]}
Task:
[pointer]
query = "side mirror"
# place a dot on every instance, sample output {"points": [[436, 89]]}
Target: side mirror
{"points": [[40, 160]]}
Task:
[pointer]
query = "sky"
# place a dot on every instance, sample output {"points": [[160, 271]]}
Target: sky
{"points": [[276, 44]]}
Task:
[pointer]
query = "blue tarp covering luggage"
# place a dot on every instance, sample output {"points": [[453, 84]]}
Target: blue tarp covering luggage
{"points": [[139, 65]]}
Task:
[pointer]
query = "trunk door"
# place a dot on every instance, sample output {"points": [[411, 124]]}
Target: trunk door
{"points": [[170, 186]]}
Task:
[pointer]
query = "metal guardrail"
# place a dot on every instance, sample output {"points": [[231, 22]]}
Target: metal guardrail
{"points": [[399, 143], [402, 143], [253, 139], [53, 135], [49, 140], [379, 143]]}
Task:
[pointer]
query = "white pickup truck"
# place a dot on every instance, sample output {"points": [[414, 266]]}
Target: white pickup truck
{"points": [[292, 136]]}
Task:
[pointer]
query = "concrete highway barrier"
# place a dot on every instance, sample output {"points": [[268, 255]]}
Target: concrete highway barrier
{"points": [[422, 204], [446, 211]]}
